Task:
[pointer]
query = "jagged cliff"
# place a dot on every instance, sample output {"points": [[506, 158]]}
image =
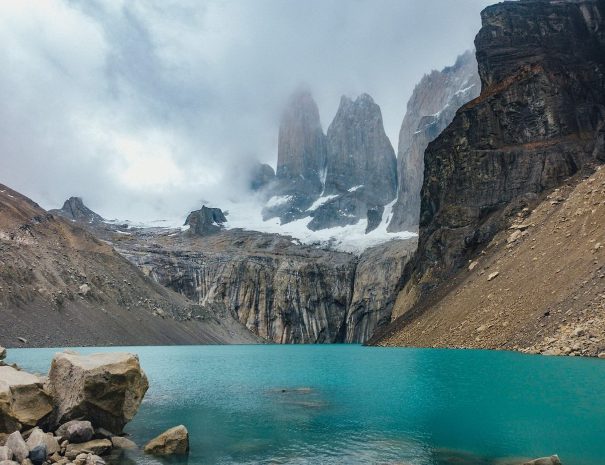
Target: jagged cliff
{"points": [[431, 108], [60, 286], [74, 209], [537, 122]]}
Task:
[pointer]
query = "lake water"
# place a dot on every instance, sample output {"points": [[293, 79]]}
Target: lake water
{"points": [[347, 404]]}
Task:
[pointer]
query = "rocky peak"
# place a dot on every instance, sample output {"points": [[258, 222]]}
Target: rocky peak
{"points": [[431, 108], [74, 209], [301, 149], [360, 153], [205, 221]]}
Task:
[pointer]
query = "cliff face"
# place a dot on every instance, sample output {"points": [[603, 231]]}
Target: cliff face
{"points": [[74, 209], [537, 122], [432, 107], [281, 291]]}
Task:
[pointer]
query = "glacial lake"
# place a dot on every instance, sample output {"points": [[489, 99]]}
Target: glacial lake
{"points": [[347, 404]]}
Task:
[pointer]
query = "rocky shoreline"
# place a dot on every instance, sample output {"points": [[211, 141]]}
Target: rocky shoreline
{"points": [[76, 414]]}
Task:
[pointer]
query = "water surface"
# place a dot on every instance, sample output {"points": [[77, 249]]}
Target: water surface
{"points": [[347, 404]]}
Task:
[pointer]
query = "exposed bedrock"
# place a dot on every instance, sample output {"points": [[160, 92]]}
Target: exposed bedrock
{"points": [[431, 108], [538, 120]]}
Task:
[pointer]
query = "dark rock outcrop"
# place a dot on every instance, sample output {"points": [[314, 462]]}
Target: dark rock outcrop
{"points": [[432, 107], [205, 221], [537, 121], [75, 210]]}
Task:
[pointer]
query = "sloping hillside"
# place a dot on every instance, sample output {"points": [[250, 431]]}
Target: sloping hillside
{"points": [[61, 286], [538, 286]]}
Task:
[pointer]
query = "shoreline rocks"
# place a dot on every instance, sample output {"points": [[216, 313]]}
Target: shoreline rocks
{"points": [[74, 419]]}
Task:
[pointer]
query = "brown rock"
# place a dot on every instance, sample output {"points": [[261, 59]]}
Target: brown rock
{"points": [[553, 460], [120, 442], [96, 446], [38, 437], [173, 441], [107, 388], [23, 401]]}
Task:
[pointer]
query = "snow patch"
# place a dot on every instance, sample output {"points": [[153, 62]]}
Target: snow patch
{"points": [[353, 189], [278, 200], [320, 201]]}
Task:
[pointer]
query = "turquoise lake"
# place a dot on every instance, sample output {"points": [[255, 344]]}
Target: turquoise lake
{"points": [[347, 404]]}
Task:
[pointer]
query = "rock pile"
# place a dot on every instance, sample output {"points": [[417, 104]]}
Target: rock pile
{"points": [[76, 415]]}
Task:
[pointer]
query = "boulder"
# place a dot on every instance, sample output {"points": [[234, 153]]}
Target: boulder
{"points": [[76, 431], [173, 441], [96, 446], [38, 437], [38, 454], [8, 462], [23, 401], [106, 389], [122, 443], [2, 353], [16, 443], [5, 453], [552, 460]]}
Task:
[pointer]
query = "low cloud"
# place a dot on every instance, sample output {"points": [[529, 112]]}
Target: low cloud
{"points": [[148, 108]]}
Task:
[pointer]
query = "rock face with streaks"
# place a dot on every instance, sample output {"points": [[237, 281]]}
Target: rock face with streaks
{"points": [[280, 290], [538, 120], [432, 107]]}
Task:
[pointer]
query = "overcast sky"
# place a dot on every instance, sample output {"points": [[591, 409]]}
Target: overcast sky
{"points": [[147, 108]]}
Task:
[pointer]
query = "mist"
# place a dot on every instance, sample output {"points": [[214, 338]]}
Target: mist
{"points": [[147, 109]]}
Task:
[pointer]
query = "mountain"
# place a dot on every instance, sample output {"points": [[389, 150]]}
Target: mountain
{"points": [[61, 286], [431, 108], [74, 209], [279, 289], [361, 169], [301, 159], [334, 180], [537, 122]]}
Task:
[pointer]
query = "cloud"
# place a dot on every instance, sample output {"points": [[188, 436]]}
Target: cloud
{"points": [[146, 108]]}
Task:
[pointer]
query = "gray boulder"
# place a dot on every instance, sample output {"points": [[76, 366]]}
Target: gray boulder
{"points": [[5, 453], [76, 431], [8, 462], [16, 443], [38, 437], [107, 389], [2, 353]]}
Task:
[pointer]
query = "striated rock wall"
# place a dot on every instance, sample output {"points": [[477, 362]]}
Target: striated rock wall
{"points": [[281, 291], [431, 108], [536, 122]]}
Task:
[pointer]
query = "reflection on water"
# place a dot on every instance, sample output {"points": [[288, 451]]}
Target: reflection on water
{"points": [[302, 405]]}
